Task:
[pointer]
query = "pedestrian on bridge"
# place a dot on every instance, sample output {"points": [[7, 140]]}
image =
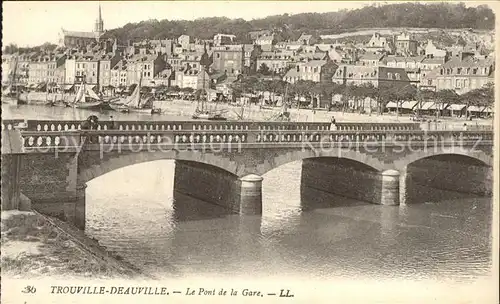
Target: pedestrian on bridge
{"points": [[333, 124], [112, 123]]}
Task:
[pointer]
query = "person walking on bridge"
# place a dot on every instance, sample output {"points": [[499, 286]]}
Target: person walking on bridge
{"points": [[333, 124]]}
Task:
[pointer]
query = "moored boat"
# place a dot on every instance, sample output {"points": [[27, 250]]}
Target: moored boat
{"points": [[134, 103], [95, 102]]}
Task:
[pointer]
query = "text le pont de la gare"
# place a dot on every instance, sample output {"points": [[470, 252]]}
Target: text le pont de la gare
{"points": [[163, 291]]}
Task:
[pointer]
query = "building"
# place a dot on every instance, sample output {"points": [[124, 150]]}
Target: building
{"points": [[106, 62], [406, 45], [192, 78], [175, 62], [378, 76], [290, 46], [119, 74], [378, 44], [464, 72], [371, 59], [254, 35], [247, 55], [146, 66], [191, 60], [314, 70], [428, 71], [165, 77], [81, 39], [223, 39], [412, 66], [47, 68], [9, 62], [306, 39], [230, 61], [276, 61], [87, 68], [22, 70], [184, 41], [432, 50], [265, 40]]}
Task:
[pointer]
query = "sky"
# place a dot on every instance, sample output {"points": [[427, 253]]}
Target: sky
{"points": [[31, 23]]}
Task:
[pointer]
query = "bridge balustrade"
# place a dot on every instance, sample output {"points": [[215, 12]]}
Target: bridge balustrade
{"points": [[10, 124], [37, 139], [67, 125]]}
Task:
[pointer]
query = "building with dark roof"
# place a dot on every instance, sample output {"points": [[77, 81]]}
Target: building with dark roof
{"points": [[378, 76], [81, 39], [464, 72]]}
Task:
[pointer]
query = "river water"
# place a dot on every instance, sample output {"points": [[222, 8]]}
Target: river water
{"points": [[130, 211]]}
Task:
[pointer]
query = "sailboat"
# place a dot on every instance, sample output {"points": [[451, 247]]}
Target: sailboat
{"points": [[81, 102], [13, 91], [209, 114], [134, 103], [204, 113]]}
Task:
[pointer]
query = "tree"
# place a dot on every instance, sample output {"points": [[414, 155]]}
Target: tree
{"points": [[264, 70], [371, 92], [424, 96], [11, 48], [481, 97], [444, 97]]}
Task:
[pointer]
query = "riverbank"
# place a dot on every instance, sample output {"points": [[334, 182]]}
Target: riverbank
{"points": [[35, 245], [183, 110]]}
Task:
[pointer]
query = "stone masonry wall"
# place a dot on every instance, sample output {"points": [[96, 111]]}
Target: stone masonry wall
{"points": [[207, 183], [342, 178], [10, 181], [50, 184]]}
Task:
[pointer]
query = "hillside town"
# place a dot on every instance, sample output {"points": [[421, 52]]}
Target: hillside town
{"points": [[386, 72]]}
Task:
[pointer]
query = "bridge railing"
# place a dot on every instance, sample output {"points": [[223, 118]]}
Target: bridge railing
{"points": [[10, 124], [123, 138], [67, 125]]}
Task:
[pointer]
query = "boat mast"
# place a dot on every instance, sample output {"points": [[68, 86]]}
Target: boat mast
{"points": [[13, 79], [139, 92], [204, 91]]}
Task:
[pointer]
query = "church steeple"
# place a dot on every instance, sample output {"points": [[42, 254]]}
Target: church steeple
{"points": [[99, 23]]}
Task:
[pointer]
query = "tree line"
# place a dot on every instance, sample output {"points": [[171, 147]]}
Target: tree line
{"points": [[354, 97], [411, 14]]}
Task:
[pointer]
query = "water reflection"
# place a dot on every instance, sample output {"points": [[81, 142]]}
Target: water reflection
{"points": [[44, 112], [343, 238]]}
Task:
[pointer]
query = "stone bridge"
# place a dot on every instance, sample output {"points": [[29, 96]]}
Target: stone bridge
{"points": [[223, 162]]}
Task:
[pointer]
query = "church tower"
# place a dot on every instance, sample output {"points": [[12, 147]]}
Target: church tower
{"points": [[99, 24]]}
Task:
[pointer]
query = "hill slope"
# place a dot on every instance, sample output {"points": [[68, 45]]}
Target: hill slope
{"points": [[415, 15]]}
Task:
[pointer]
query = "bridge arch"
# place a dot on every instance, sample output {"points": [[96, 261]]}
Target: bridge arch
{"points": [[476, 154], [292, 156], [89, 172]]}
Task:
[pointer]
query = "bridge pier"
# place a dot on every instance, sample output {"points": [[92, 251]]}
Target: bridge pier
{"points": [[349, 179], [390, 188], [79, 214], [251, 195], [227, 193]]}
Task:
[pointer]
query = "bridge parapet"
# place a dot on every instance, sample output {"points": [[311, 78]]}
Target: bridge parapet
{"points": [[11, 124], [241, 138], [67, 125]]}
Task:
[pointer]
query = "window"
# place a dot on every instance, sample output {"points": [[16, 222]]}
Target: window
{"points": [[474, 71], [457, 83], [397, 76], [429, 82], [389, 75]]}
